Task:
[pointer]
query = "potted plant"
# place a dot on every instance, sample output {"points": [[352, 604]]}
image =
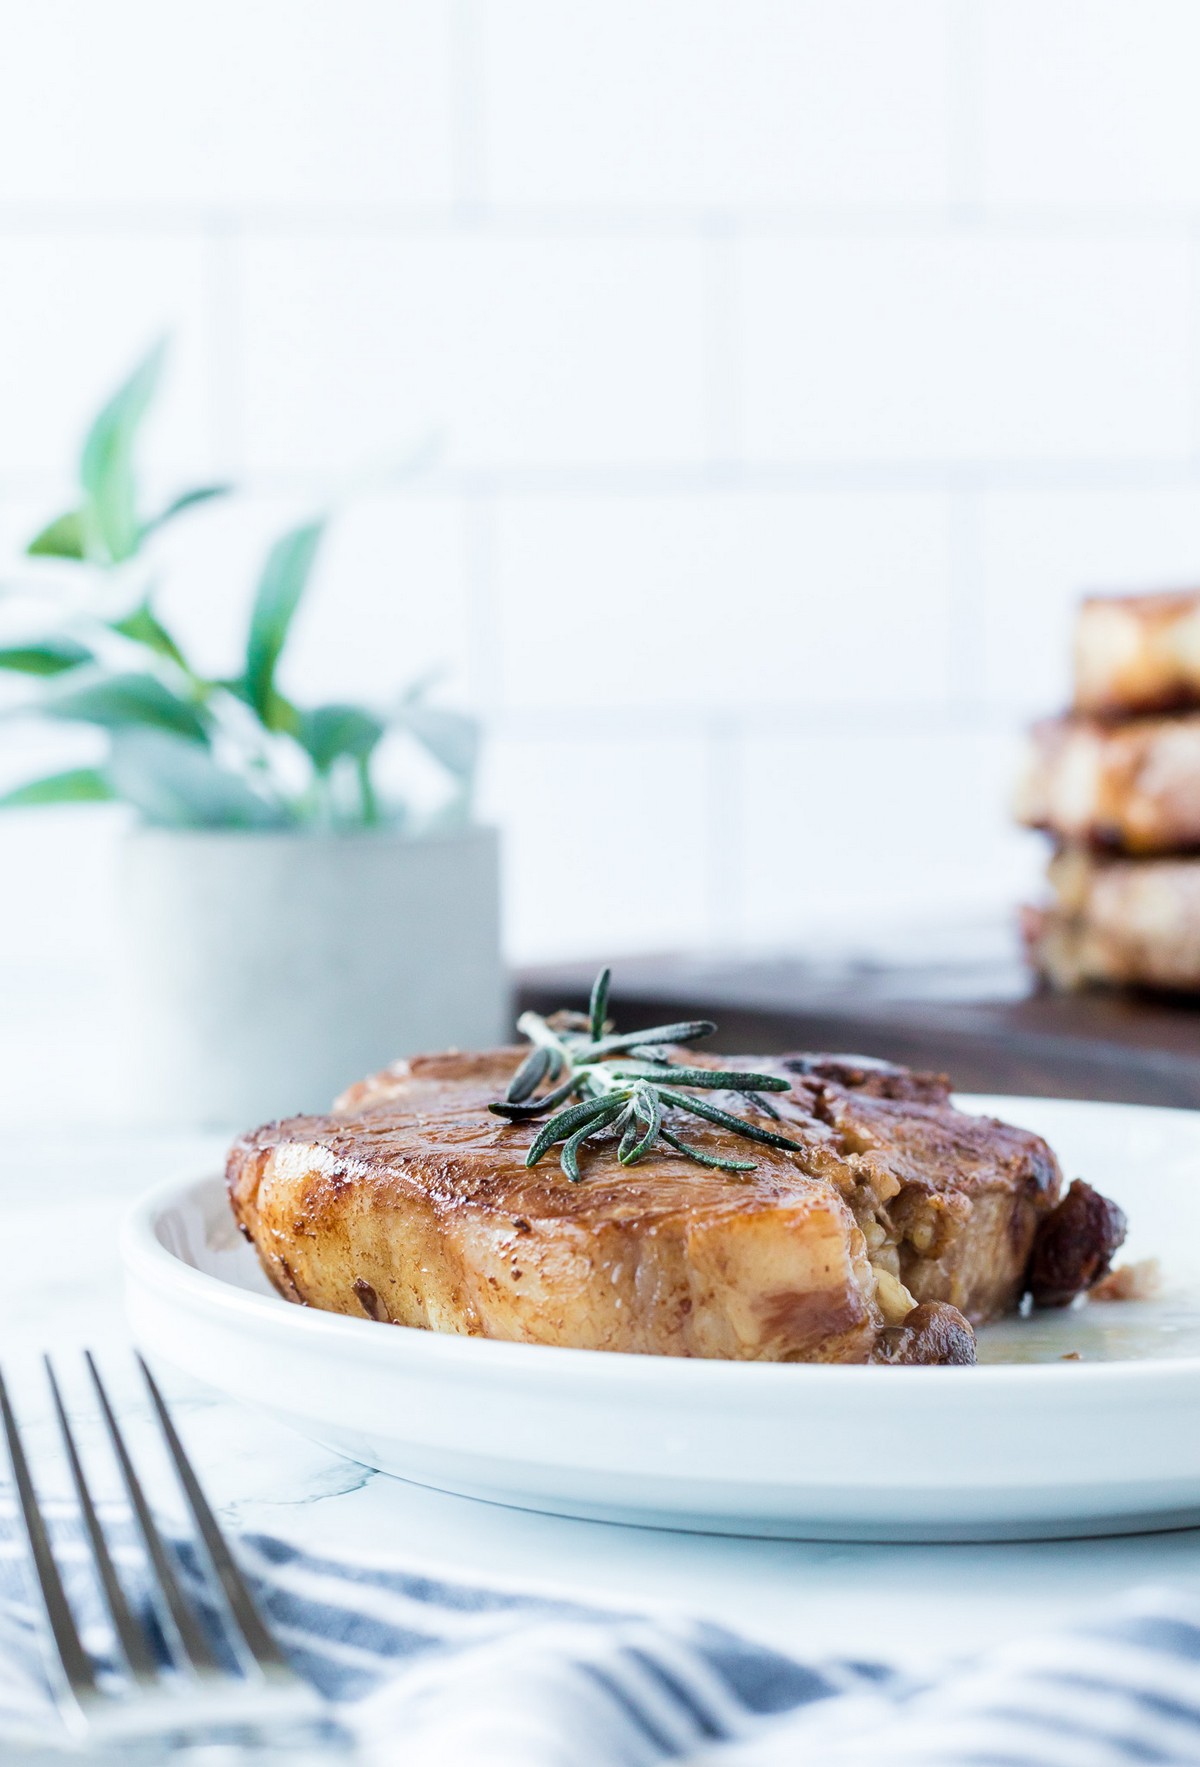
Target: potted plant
{"points": [[288, 923]]}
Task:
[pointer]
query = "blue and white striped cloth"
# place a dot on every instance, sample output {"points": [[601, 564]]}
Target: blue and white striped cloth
{"points": [[435, 1673]]}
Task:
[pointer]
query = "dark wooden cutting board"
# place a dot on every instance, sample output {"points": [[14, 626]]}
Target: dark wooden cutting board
{"points": [[982, 1024]]}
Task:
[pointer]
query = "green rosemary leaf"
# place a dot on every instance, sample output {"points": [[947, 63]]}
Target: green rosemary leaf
{"points": [[648, 1111], [568, 1159], [598, 1008], [720, 1079], [536, 1107], [757, 1102], [698, 1107], [689, 1032], [627, 1096], [706, 1159], [588, 1110], [528, 1076]]}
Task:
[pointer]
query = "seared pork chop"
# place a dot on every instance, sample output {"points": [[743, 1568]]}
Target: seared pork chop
{"points": [[894, 1221], [1132, 787], [1138, 653]]}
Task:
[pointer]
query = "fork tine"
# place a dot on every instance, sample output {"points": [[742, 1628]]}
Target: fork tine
{"points": [[74, 1661], [189, 1633], [242, 1605], [130, 1633]]}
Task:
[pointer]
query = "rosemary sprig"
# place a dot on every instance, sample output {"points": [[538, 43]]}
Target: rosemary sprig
{"points": [[625, 1084]]}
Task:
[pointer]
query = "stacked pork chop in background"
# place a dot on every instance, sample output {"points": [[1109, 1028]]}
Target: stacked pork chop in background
{"points": [[1116, 783]]}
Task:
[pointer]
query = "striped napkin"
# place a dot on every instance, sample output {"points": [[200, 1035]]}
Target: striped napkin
{"points": [[435, 1673]]}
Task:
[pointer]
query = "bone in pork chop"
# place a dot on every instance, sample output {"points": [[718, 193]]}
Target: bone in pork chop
{"points": [[895, 1221]]}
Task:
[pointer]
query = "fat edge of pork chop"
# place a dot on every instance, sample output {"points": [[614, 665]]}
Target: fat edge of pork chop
{"points": [[412, 1205]]}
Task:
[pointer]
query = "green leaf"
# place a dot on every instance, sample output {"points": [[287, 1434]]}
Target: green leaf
{"points": [[144, 627], [82, 785], [175, 784], [648, 1110], [117, 701], [185, 500], [529, 1076], [450, 737], [569, 1157], [706, 1159], [537, 1107], [280, 588], [106, 468], [690, 1031], [329, 732], [598, 1005], [284, 716], [595, 1111], [64, 537], [49, 656], [722, 1079], [699, 1107]]}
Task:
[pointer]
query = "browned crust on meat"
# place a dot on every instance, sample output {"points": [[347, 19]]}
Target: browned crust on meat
{"points": [[934, 1335], [866, 1073], [1074, 1245]]}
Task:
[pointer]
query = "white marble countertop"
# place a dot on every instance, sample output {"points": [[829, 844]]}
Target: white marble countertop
{"points": [[62, 1199]]}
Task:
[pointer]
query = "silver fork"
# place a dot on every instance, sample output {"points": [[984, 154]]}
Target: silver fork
{"points": [[195, 1698]]}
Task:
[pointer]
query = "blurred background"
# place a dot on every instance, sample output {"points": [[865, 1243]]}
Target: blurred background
{"points": [[733, 400]]}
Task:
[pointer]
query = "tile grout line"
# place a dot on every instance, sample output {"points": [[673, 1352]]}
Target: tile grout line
{"points": [[468, 209]]}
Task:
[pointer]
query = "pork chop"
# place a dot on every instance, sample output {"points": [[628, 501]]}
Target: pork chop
{"points": [[894, 1221]]}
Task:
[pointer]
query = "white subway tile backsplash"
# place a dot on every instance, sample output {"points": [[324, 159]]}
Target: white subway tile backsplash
{"points": [[965, 348], [706, 103], [788, 368], [1090, 102], [278, 102], [79, 310], [911, 824], [511, 351], [1043, 549], [588, 870], [725, 601]]}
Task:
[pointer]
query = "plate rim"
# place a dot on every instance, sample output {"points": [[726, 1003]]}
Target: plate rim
{"points": [[146, 1259]]}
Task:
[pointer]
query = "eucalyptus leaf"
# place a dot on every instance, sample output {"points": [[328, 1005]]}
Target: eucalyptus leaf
{"points": [[64, 537], [329, 732], [144, 627], [49, 656], [185, 500], [174, 783], [106, 466], [81, 785], [116, 702], [280, 588]]}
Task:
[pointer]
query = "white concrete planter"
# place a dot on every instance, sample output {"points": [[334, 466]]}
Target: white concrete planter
{"points": [[263, 972]]}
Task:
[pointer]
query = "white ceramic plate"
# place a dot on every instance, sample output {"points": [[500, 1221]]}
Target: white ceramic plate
{"points": [[1026, 1446]]}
